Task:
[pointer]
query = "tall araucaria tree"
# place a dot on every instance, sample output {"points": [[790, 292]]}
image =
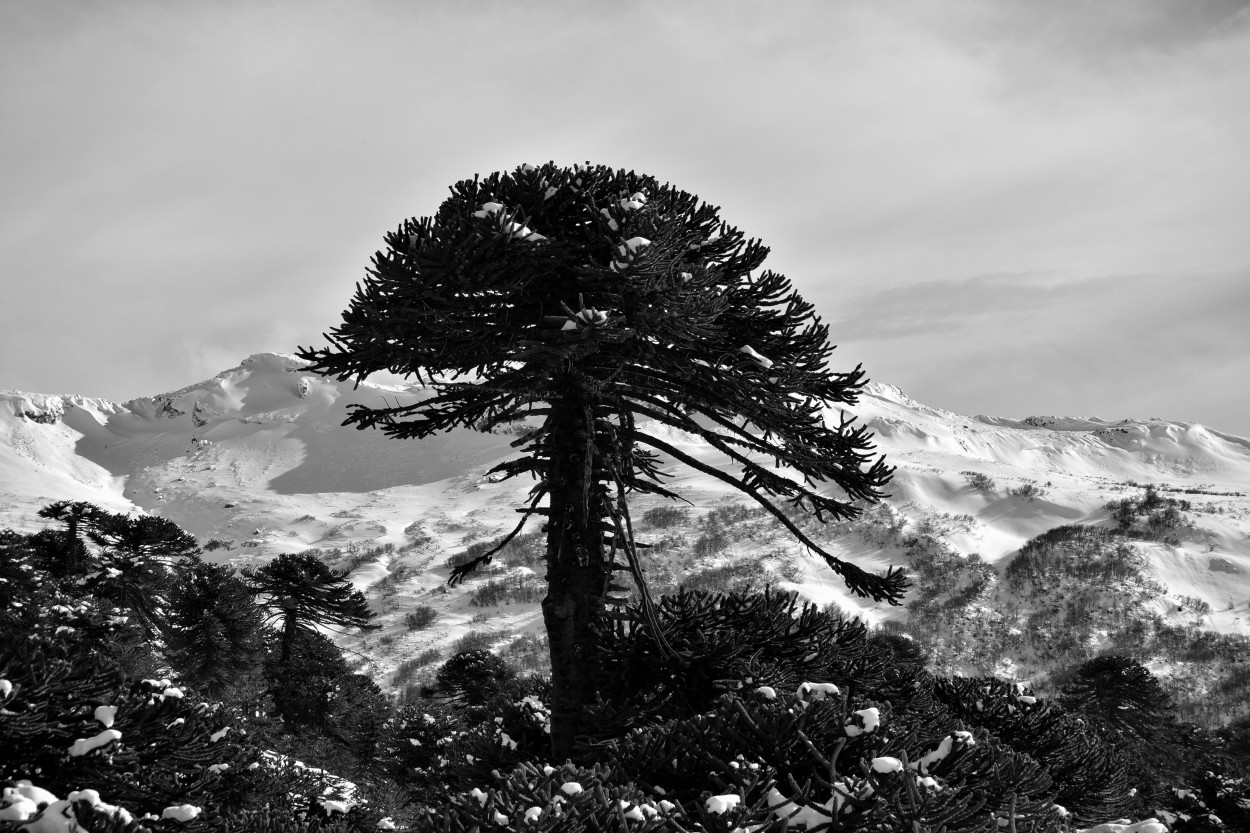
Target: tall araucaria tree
{"points": [[301, 593], [586, 304]]}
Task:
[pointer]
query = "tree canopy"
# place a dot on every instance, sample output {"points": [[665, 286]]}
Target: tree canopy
{"points": [[214, 635], [301, 592], [590, 310]]}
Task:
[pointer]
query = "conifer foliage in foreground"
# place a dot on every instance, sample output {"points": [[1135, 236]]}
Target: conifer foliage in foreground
{"points": [[802, 720], [793, 719], [576, 305], [134, 694]]}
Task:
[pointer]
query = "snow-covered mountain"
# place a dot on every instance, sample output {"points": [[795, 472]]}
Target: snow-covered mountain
{"points": [[257, 457], [250, 449]]}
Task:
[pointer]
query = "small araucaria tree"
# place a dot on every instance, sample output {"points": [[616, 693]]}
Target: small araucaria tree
{"points": [[301, 594], [588, 307]]}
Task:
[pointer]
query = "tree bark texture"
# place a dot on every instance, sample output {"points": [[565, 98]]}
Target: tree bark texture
{"points": [[577, 569]]}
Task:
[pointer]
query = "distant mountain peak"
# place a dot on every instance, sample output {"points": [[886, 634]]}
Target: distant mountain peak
{"points": [[890, 392]]}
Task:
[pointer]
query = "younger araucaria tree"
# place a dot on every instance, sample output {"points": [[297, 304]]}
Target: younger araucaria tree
{"points": [[586, 308], [301, 594]]}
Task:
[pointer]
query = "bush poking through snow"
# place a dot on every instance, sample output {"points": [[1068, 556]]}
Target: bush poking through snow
{"points": [[1028, 490], [980, 481], [420, 617]]}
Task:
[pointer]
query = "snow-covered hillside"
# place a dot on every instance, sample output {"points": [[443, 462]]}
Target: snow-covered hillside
{"points": [[257, 458], [251, 449]]}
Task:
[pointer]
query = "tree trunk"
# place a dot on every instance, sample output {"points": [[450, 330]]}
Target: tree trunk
{"points": [[289, 624], [577, 572]]}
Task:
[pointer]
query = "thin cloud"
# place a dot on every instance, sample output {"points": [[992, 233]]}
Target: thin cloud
{"points": [[187, 175], [1172, 346]]}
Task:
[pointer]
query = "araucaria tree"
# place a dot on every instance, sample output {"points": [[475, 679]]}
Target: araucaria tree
{"points": [[214, 634], [581, 306], [301, 593]]}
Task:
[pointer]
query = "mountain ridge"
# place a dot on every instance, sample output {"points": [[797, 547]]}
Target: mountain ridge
{"points": [[256, 458]]}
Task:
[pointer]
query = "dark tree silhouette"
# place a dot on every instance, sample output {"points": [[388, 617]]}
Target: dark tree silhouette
{"points": [[580, 304], [79, 518], [471, 677], [1120, 694], [137, 560], [132, 561], [301, 593], [303, 685], [214, 628], [18, 583]]}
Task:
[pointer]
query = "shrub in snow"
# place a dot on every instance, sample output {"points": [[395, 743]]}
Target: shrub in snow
{"points": [[443, 739], [471, 678], [543, 798], [132, 557], [786, 761], [705, 731], [1125, 704], [979, 480], [88, 708], [663, 517], [419, 618], [1028, 490], [423, 747]]}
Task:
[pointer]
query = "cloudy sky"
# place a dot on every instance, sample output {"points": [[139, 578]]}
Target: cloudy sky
{"points": [[1002, 207]]}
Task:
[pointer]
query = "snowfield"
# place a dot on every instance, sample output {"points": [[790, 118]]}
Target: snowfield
{"points": [[257, 458]]}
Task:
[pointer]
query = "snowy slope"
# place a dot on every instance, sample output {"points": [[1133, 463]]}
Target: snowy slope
{"points": [[257, 457], [1081, 463], [264, 436]]}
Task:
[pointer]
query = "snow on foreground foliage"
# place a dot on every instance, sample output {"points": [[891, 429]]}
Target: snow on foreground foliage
{"points": [[794, 717], [94, 733], [162, 757], [266, 474], [867, 741]]}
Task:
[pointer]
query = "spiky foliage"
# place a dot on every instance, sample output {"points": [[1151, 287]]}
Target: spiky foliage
{"points": [[888, 748], [1119, 694], [302, 683], [213, 631], [86, 711], [18, 582], [471, 677], [439, 743], [1124, 702], [311, 686], [300, 592], [40, 600], [143, 537], [1090, 776], [587, 303], [79, 517], [733, 641], [130, 562], [770, 763], [53, 732]]}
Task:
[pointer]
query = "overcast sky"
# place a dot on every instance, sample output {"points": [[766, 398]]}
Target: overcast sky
{"points": [[1004, 208]]}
